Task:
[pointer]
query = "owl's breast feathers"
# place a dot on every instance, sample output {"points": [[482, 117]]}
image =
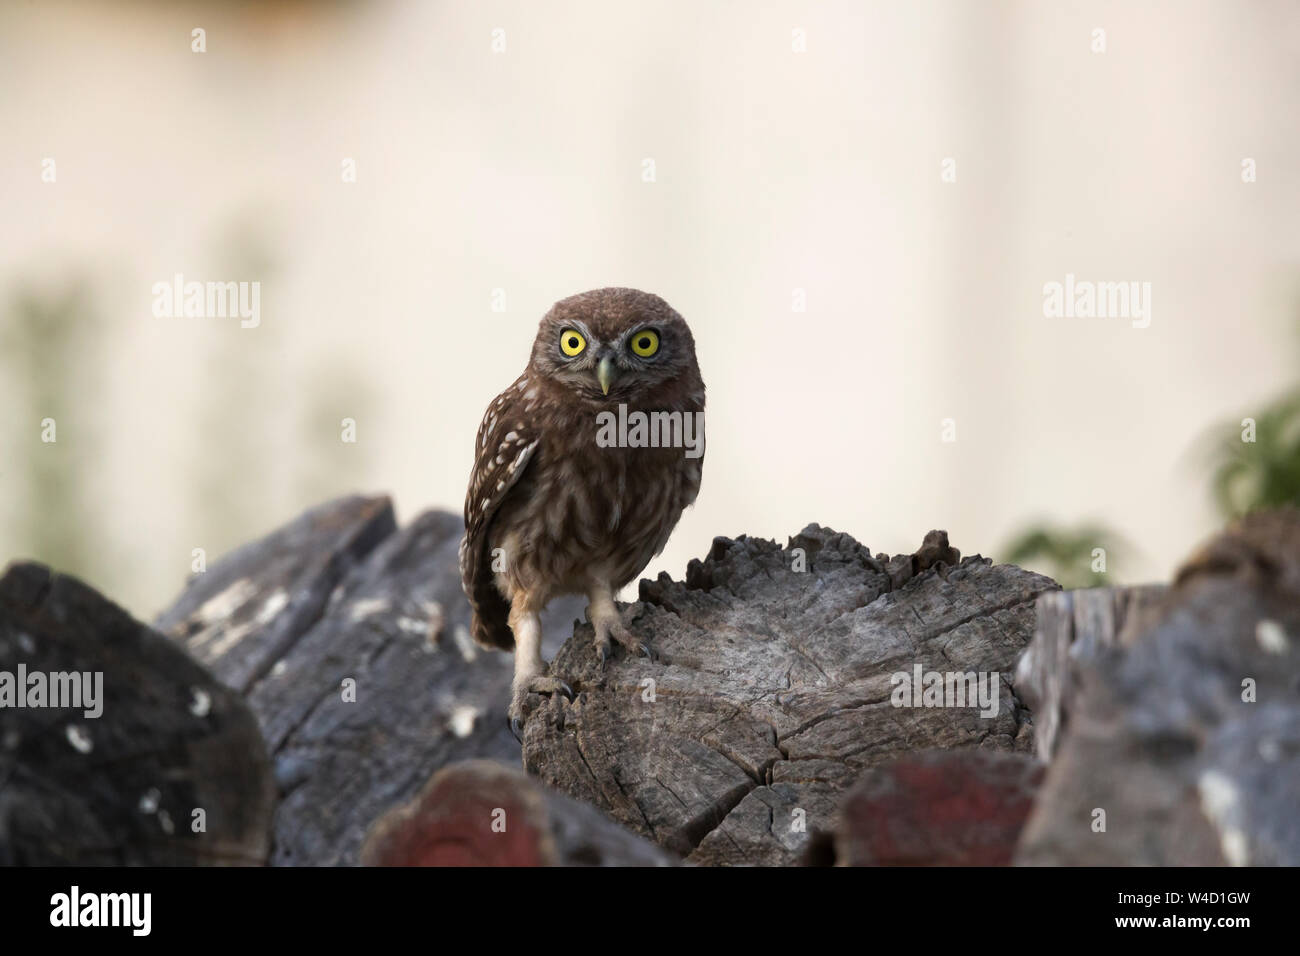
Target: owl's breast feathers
{"points": [[558, 509]]}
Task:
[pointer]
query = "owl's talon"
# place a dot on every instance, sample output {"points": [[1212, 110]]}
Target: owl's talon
{"points": [[610, 626], [537, 684], [546, 686]]}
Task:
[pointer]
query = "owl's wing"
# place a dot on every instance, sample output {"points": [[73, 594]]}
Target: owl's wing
{"points": [[506, 443], [693, 468]]}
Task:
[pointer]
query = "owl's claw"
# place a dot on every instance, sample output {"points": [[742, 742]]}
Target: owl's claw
{"points": [[546, 686], [640, 647], [612, 627], [538, 684]]}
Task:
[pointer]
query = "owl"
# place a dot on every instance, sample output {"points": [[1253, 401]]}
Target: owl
{"points": [[563, 501]]}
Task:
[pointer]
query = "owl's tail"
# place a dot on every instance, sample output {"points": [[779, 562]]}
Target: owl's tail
{"points": [[490, 619]]}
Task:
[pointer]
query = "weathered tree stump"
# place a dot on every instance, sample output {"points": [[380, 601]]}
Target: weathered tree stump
{"points": [[772, 689], [1182, 744], [172, 771], [480, 813], [350, 640]]}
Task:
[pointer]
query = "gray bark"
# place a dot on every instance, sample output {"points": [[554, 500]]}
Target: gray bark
{"points": [[342, 595], [1078, 627], [1183, 730]]}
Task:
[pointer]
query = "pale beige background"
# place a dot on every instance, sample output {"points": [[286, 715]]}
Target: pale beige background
{"points": [[522, 171]]}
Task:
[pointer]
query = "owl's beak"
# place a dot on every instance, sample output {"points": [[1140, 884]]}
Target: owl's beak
{"points": [[605, 373]]}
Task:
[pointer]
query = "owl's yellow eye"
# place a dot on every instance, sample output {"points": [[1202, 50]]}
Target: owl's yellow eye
{"points": [[645, 343], [572, 343]]}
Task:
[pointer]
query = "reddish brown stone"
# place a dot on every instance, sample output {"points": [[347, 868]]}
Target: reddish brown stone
{"points": [[938, 808], [450, 823], [480, 813]]}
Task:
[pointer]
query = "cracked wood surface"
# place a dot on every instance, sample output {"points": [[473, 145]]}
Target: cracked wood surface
{"points": [[771, 690]]}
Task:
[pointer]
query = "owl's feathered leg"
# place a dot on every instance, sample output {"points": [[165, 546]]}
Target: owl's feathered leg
{"points": [[530, 669], [603, 614]]}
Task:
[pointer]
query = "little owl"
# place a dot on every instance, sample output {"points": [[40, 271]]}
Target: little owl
{"points": [[550, 509]]}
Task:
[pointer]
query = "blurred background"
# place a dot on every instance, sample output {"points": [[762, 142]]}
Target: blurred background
{"points": [[869, 316]]}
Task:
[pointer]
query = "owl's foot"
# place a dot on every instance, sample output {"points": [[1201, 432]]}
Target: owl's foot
{"points": [[537, 684], [612, 627]]}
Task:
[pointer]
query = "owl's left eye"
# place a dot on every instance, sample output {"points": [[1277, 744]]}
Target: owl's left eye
{"points": [[572, 343], [645, 343]]}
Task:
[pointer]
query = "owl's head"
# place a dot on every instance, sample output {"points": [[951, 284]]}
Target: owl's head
{"points": [[614, 344]]}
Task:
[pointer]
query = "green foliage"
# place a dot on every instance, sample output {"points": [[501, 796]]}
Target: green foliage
{"points": [[1066, 554], [1257, 468], [45, 338]]}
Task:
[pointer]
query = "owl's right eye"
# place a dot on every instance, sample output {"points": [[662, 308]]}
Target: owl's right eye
{"points": [[572, 343]]}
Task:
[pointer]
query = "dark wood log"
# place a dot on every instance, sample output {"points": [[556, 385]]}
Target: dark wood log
{"points": [[772, 689], [265, 595], [341, 596], [1183, 732], [1078, 627], [172, 771]]}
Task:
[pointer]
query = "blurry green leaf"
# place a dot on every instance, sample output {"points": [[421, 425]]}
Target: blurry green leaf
{"points": [[1250, 476], [1068, 554]]}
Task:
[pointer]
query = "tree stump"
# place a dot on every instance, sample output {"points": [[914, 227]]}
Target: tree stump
{"points": [[772, 688]]}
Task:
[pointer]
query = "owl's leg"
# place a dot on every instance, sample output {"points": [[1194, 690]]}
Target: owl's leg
{"points": [[603, 614], [530, 669]]}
